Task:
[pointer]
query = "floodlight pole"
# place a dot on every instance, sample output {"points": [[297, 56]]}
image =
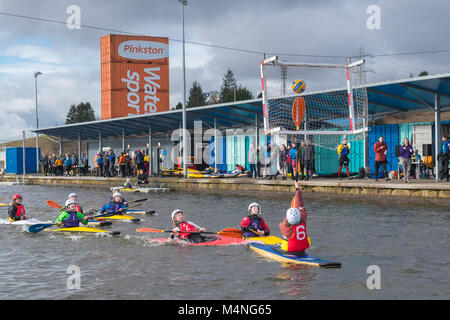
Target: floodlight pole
{"points": [[185, 151], [36, 74]]}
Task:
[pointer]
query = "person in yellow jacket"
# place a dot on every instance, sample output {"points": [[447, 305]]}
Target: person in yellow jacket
{"points": [[343, 151]]}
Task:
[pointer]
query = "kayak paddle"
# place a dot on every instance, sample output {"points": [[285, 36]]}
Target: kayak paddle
{"points": [[39, 227], [228, 232]]}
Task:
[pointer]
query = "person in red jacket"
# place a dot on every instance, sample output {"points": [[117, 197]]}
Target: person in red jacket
{"points": [[186, 230], [380, 148], [293, 227], [16, 210]]}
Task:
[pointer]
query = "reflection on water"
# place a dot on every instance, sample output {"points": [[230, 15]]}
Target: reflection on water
{"points": [[296, 280]]}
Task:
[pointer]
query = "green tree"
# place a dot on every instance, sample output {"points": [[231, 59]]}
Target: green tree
{"points": [[81, 112], [196, 96], [423, 73], [179, 106], [242, 93], [229, 91], [226, 93]]}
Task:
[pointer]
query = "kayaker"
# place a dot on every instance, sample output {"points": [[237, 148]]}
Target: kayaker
{"points": [[293, 227], [117, 190], [127, 184], [254, 222], [185, 226], [70, 217], [74, 196], [16, 210], [116, 206]]}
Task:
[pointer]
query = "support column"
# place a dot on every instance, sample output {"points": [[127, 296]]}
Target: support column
{"points": [[437, 131], [256, 131], [366, 146], [23, 156], [79, 146], [60, 145], [150, 152], [100, 146], [123, 139], [216, 147]]}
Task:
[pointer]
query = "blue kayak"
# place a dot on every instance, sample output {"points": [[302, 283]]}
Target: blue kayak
{"points": [[274, 252]]}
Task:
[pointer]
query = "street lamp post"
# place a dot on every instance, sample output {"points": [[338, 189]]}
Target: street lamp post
{"points": [[36, 74], [185, 151]]}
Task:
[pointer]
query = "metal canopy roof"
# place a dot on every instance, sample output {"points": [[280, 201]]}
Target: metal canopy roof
{"points": [[229, 115], [384, 98], [409, 94]]}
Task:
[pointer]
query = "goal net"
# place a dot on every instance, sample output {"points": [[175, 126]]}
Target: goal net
{"points": [[333, 104]]}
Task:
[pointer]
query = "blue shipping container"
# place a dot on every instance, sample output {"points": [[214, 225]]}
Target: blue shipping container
{"points": [[14, 160]]}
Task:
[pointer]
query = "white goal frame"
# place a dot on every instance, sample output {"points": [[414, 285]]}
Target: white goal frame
{"points": [[275, 61]]}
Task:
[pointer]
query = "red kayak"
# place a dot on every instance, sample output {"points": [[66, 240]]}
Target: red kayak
{"points": [[210, 241]]}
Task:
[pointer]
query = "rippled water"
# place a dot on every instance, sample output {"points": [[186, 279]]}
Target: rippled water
{"points": [[409, 242]]}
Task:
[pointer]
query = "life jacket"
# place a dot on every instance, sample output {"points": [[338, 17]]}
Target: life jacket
{"points": [[186, 226], [20, 210], [298, 241], [72, 220], [115, 206], [252, 221], [345, 150], [78, 208]]}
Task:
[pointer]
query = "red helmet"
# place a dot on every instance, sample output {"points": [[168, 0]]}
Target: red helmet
{"points": [[17, 196]]}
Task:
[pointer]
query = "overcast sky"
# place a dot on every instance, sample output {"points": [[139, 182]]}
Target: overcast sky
{"points": [[70, 59]]}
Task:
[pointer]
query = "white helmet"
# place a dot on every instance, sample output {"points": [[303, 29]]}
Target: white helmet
{"points": [[253, 204], [174, 212], [73, 195], [70, 201], [117, 194], [293, 216]]}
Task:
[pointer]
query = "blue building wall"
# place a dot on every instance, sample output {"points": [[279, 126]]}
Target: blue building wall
{"points": [[390, 133]]}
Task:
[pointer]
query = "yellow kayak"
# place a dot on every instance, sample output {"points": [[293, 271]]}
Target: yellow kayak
{"points": [[265, 240], [84, 230], [121, 217]]}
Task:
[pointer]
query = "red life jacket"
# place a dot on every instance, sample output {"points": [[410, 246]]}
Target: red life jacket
{"points": [[20, 210], [299, 240], [186, 226]]}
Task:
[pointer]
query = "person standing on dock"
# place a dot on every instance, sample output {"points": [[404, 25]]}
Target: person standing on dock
{"points": [[443, 157], [343, 151], [308, 158], [406, 152], [251, 156], [112, 163], [380, 148], [293, 156], [283, 161]]}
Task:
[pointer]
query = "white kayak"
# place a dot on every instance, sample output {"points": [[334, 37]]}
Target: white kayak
{"points": [[27, 222]]}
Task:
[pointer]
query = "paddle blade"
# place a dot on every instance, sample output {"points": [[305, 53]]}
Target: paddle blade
{"points": [[149, 230], [39, 227], [231, 233], [53, 204]]}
